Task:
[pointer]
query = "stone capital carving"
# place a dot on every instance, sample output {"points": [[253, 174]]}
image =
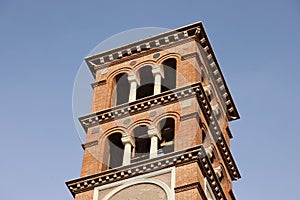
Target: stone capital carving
{"points": [[158, 70], [128, 139], [153, 131], [133, 78]]}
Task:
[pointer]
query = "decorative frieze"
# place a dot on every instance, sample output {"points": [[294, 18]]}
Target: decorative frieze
{"points": [[145, 104]]}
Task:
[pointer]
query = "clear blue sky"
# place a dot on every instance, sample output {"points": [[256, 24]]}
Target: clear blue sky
{"points": [[43, 43]]}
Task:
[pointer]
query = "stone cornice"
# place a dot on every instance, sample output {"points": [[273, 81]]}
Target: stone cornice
{"points": [[135, 56], [140, 105], [190, 155], [217, 134], [212, 178], [155, 43]]}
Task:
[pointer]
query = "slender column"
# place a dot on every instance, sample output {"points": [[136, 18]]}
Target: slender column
{"points": [[133, 81], [158, 74], [128, 142], [155, 135]]}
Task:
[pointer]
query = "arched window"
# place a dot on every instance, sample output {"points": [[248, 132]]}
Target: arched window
{"points": [[146, 87], [169, 82], [142, 143], [122, 88], [167, 127], [116, 150]]}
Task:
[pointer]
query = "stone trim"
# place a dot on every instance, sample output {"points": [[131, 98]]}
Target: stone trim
{"points": [[89, 144], [190, 116], [191, 186], [95, 84]]}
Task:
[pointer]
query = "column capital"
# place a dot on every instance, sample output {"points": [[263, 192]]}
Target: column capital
{"points": [[133, 78], [127, 139], [153, 131], [158, 70]]}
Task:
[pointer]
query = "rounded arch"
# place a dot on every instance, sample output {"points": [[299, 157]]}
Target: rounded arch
{"points": [[120, 129], [166, 128], [114, 73], [140, 122], [113, 146], [115, 150], [171, 114], [146, 78], [168, 124], [169, 66], [158, 183], [176, 56], [142, 142], [121, 89], [118, 81], [140, 65]]}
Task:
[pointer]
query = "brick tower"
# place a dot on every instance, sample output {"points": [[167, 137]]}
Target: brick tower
{"points": [[159, 122]]}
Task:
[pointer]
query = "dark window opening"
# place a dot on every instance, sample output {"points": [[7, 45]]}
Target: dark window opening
{"points": [[166, 145], [146, 87], [169, 82], [116, 150], [142, 143], [122, 88]]}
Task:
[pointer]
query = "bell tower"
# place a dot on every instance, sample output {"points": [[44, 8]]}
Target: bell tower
{"points": [[159, 122]]}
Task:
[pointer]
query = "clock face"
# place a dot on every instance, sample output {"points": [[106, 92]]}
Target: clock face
{"points": [[142, 191]]}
